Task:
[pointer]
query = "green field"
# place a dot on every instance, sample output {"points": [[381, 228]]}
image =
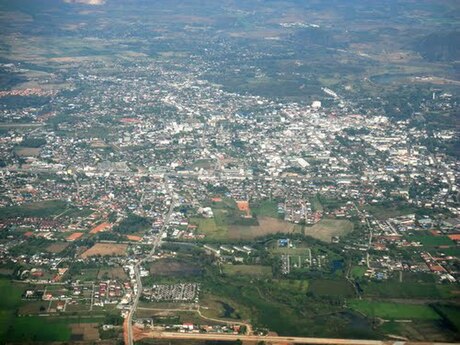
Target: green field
{"points": [[40, 209], [333, 288], [451, 313], [326, 228], [393, 311], [208, 227], [358, 271], [251, 270], [431, 241], [416, 290], [265, 208], [25, 329]]}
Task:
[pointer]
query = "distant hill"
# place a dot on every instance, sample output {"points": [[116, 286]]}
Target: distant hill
{"points": [[440, 46]]}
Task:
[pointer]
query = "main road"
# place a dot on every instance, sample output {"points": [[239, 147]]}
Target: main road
{"points": [[156, 243]]}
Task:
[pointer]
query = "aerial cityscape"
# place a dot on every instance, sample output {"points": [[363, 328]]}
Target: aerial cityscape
{"points": [[229, 172]]}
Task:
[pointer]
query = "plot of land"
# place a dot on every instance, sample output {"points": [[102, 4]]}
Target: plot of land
{"points": [[106, 249], [112, 273], [266, 226], [57, 247], [251, 270], [27, 151], [326, 228], [41, 209], [394, 311], [74, 236], [174, 268], [329, 287], [100, 227], [84, 331]]}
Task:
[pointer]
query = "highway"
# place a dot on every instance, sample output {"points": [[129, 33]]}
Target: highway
{"points": [[129, 318], [281, 339]]}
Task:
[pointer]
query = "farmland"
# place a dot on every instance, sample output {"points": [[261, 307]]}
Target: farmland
{"points": [[393, 311], [41, 209], [250, 270], [103, 249], [326, 228]]}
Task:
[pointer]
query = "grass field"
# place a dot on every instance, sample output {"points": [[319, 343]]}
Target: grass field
{"points": [[326, 228], [42, 209], [266, 226], [209, 228], [416, 290], [57, 247], [251, 270], [431, 241], [384, 212], [451, 313], [27, 329], [358, 271], [265, 208], [334, 288], [293, 284], [394, 311]]}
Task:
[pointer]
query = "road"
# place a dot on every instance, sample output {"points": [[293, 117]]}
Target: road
{"points": [[129, 318], [280, 339]]}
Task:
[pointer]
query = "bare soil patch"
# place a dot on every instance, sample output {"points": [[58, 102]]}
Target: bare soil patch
{"points": [[106, 249]]}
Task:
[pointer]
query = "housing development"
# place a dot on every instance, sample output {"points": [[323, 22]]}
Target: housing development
{"points": [[150, 197]]}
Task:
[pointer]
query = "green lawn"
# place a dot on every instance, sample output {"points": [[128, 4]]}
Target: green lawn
{"points": [[394, 311]]}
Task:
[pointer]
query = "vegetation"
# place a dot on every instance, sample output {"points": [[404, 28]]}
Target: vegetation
{"points": [[132, 224], [392, 311]]}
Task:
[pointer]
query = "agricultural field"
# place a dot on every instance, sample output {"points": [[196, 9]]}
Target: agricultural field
{"points": [[265, 208], [174, 268], [42, 209], [393, 311], [431, 241], [267, 226], [27, 151], [326, 228], [256, 271], [112, 273], [57, 247], [407, 290], [333, 288], [103, 249]]}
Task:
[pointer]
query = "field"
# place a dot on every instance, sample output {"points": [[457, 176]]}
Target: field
{"points": [[406, 289], [27, 151], [393, 311], [116, 273], [265, 208], [57, 247], [171, 268], [42, 209], [218, 228], [103, 249], [329, 287], [431, 241], [251, 270], [385, 212], [326, 228]]}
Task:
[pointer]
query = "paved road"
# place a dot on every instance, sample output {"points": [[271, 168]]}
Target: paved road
{"points": [[129, 319], [281, 339]]}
